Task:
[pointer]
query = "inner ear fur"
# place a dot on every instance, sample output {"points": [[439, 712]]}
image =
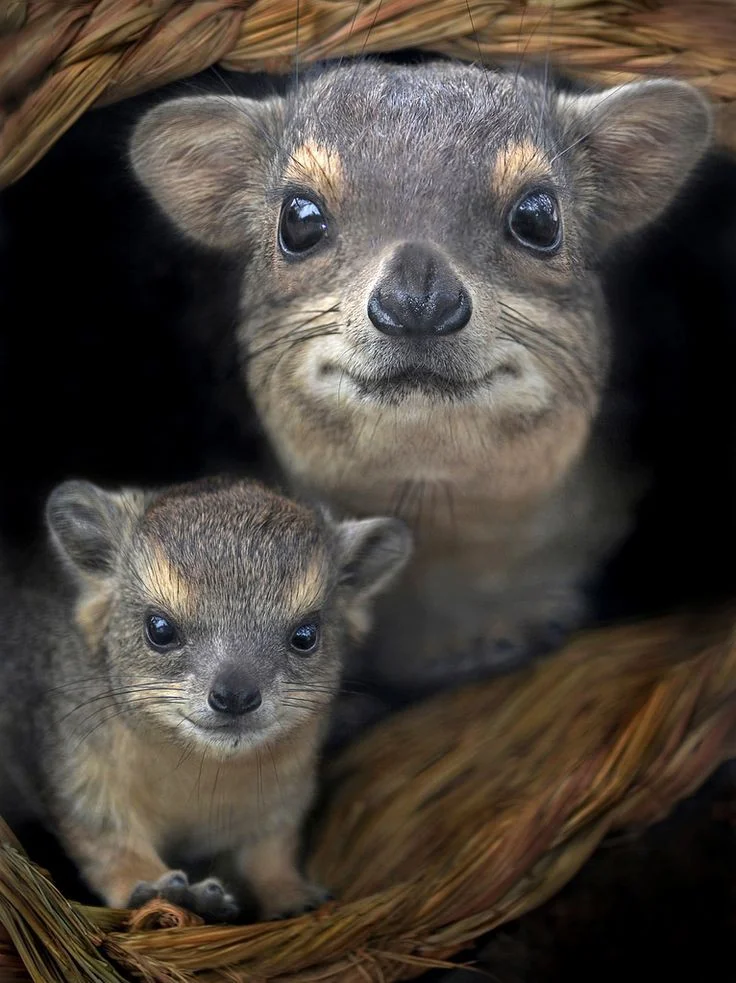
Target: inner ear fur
{"points": [[88, 524], [642, 141], [204, 160]]}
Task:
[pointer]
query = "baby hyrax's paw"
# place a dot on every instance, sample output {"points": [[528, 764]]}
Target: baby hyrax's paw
{"points": [[207, 898], [294, 900]]}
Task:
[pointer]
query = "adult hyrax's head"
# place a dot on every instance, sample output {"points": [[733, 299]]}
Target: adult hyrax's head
{"points": [[421, 296], [220, 608]]}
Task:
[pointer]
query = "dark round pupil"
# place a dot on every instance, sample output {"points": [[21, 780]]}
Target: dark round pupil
{"points": [[161, 632], [302, 225], [536, 220], [305, 637]]}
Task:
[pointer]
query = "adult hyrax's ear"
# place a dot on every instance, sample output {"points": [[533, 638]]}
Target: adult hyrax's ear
{"points": [[87, 524], [643, 140], [204, 160], [374, 551]]}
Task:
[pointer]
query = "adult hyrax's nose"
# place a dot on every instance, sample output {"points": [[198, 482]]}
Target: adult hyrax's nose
{"points": [[233, 694], [419, 295]]}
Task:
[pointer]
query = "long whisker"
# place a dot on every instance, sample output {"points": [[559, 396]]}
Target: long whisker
{"points": [[290, 347], [275, 769], [372, 25], [235, 101], [285, 318], [595, 110], [545, 84], [296, 48], [546, 346], [565, 377], [115, 695], [118, 710], [552, 340], [293, 339], [358, 5], [293, 704]]}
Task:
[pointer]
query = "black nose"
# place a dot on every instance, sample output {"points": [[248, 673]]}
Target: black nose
{"points": [[419, 295], [232, 694]]}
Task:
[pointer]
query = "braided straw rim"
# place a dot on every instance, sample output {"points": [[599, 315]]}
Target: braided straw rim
{"points": [[443, 823], [60, 57]]}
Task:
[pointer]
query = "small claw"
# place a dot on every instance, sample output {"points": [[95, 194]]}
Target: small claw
{"points": [[174, 887], [143, 892], [210, 900]]}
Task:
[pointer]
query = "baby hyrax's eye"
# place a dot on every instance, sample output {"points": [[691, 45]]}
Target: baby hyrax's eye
{"points": [[161, 633], [534, 221], [301, 226], [305, 637]]}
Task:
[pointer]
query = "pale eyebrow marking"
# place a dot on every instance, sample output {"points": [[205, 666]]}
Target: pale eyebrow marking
{"points": [[319, 166], [515, 163]]}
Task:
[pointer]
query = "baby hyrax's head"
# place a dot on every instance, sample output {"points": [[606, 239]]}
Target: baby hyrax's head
{"points": [[422, 247], [221, 609]]}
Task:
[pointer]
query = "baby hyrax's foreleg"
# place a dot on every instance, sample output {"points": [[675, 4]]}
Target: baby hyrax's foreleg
{"points": [[270, 868], [126, 871]]}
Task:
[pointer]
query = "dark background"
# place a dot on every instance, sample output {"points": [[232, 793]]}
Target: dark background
{"points": [[117, 364]]}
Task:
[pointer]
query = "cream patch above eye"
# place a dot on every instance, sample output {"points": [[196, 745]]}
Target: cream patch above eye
{"points": [[164, 583], [318, 166], [517, 163], [306, 591]]}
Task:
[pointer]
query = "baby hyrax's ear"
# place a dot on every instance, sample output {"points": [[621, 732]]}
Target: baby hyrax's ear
{"points": [[87, 525], [643, 141], [204, 160], [373, 553]]}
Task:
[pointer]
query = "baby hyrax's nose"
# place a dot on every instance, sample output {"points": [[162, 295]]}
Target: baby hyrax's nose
{"points": [[232, 693], [419, 295]]}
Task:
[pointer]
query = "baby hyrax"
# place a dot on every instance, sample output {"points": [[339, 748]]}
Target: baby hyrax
{"points": [[423, 329], [176, 671]]}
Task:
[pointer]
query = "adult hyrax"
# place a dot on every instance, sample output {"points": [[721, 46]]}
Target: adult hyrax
{"points": [[422, 326], [166, 687]]}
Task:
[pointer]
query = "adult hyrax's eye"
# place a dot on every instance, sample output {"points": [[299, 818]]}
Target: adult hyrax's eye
{"points": [[161, 633], [305, 638], [534, 221], [302, 225]]}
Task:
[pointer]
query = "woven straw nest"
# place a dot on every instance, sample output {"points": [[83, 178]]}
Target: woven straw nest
{"points": [[470, 810], [59, 57], [441, 824]]}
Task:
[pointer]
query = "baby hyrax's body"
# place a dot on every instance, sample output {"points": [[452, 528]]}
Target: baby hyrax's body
{"points": [[165, 688], [423, 329]]}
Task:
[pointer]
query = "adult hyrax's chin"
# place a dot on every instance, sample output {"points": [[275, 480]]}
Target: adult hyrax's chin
{"points": [[422, 327]]}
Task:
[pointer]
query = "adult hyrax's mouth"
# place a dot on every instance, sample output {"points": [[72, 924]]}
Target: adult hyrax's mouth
{"points": [[238, 729], [395, 386]]}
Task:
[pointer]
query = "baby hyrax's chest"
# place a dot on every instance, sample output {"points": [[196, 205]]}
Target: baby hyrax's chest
{"points": [[187, 798]]}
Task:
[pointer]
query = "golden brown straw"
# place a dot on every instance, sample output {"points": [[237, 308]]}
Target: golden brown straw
{"points": [[59, 57], [443, 823]]}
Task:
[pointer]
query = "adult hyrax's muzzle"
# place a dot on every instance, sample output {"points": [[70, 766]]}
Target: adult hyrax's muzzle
{"points": [[419, 295]]}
